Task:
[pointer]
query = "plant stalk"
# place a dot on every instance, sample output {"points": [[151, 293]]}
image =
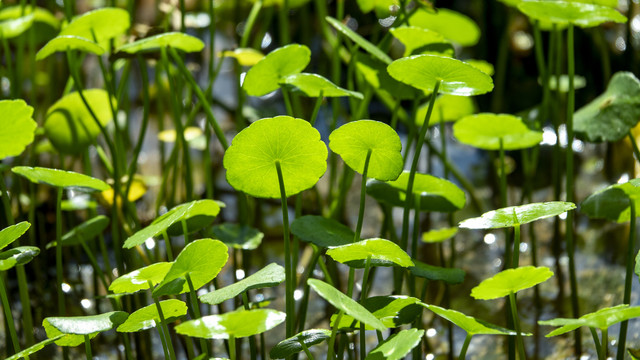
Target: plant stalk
{"points": [[465, 346], [622, 337], [289, 271], [516, 322]]}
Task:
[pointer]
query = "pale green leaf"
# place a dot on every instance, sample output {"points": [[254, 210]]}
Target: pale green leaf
{"points": [[564, 12], [510, 281], [453, 25], [86, 325], [270, 275], [517, 215], [359, 40], [148, 316], [18, 128], [418, 41], [314, 85], [176, 40], [34, 348], [244, 56], [139, 279], [397, 346], [239, 324], [392, 310], [381, 252], [486, 130], [12, 233], [61, 178], [446, 108], [470, 324], [265, 76], [100, 25], [63, 43]]}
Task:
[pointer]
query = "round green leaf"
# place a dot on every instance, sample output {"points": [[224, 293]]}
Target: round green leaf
{"points": [[353, 140], [313, 85], [86, 231], [564, 12], [419, 41], [39, 14], [446, 108], [392, 310], [375, 74], [344, 303], [435, 194], [436, 273], [17, 256], [600, 319], [12, 233], [321, 231], [470, 324], [359, 40], [292, 345], [265, 76], [610, 116], [270, 275], [244, 56], [517, 215], [34, 348], [202, 260], [484, 66], [15, 27], [485, 131], [382, 253], [148, 316], [99, 25], [238, 236], [176, 40], [254, 152], [382, 8], [439, 235], [18, 127], [239, 324], [397, 346], [69, 42], [511, 281], [69, 125], [86, 325], [613, 202], [61, 178], [453, 25], [139, 279], [455, 76]]}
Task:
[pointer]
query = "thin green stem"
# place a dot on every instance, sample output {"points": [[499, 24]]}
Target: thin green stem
{"points": [[87, 347], [252, 339], [8, 315], [287, 100], [167, 244], [143, 127], [596, 341], [253, 15], [363, 193], [465, 346], [334, 333], [622, 337], [289, 271], [634, 145], [516, 323], [316, 108], [503, 176], [232, 347], [516, 246], [605, 343], [306, 349], [94, 263], [195, 307], [363, 295], [59, 269], [164, 334]]}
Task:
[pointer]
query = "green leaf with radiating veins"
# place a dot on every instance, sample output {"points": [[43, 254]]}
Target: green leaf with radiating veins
{"points": [[517, 215], [139, 279], [270, 275], [375, 74], [86, 231], [176, 40], [564, 12], [439, 235], [453, 25], [435, 194], [381, 252], [485, 131], [291, 142], [510, 281], [61, 178], [20, 255], [100, 25], [86, 325], [69, 124], [610, 116], [446, 108], [470, 324], [238, 236], [354, 140], [34, 348], [600, 319], [265, 76], [12, 233], [436, 273], [613, 202], [18, 129], [244, 56], [397, 346], [418, 41], [359, 40], [392, 310], [148, 316], [292, 345], [312, 85], [240, 324], [344, 303], [455, 76], [69, 42], [321, 231], [202, 260]]}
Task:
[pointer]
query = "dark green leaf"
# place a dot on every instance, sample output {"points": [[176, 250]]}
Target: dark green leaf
{"points": [[238, 236], [448, 275], [392, 310], [292, 345], [86, 231], [17, 256], [321, 231], [359, 40], [313, 85], [613, 202]]}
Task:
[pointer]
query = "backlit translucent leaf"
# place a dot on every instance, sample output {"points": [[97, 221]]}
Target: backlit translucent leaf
{"points": [[392, 310], [290, 346], [397, 346], [470, 324], [419, 41], [18, 127], [86, 325], [265, 76], [517, 215], [435, 194], [600, 319], [453, 25], [313, 85], [15, 27], [64, 339], [455, 76], [375, 73], [382, 8], [256, 149], [564, 12], [61, 178], [344, 303], [437, 273], [139, 279], [176, 40], [240, 324], [20, 255], [485, 131], [12, 233], [270, 275], [35, 348], [353, 140], [612, 202], [69, 125], [238, 236], [148, 316], [359, 40], [321, 231], [511, 281], [610, 116], [69, 42], [484, 66], [99, 25], [39, 14], [446, 108], [382, 253], [244, 56], [439, 235], [202, 260]]}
